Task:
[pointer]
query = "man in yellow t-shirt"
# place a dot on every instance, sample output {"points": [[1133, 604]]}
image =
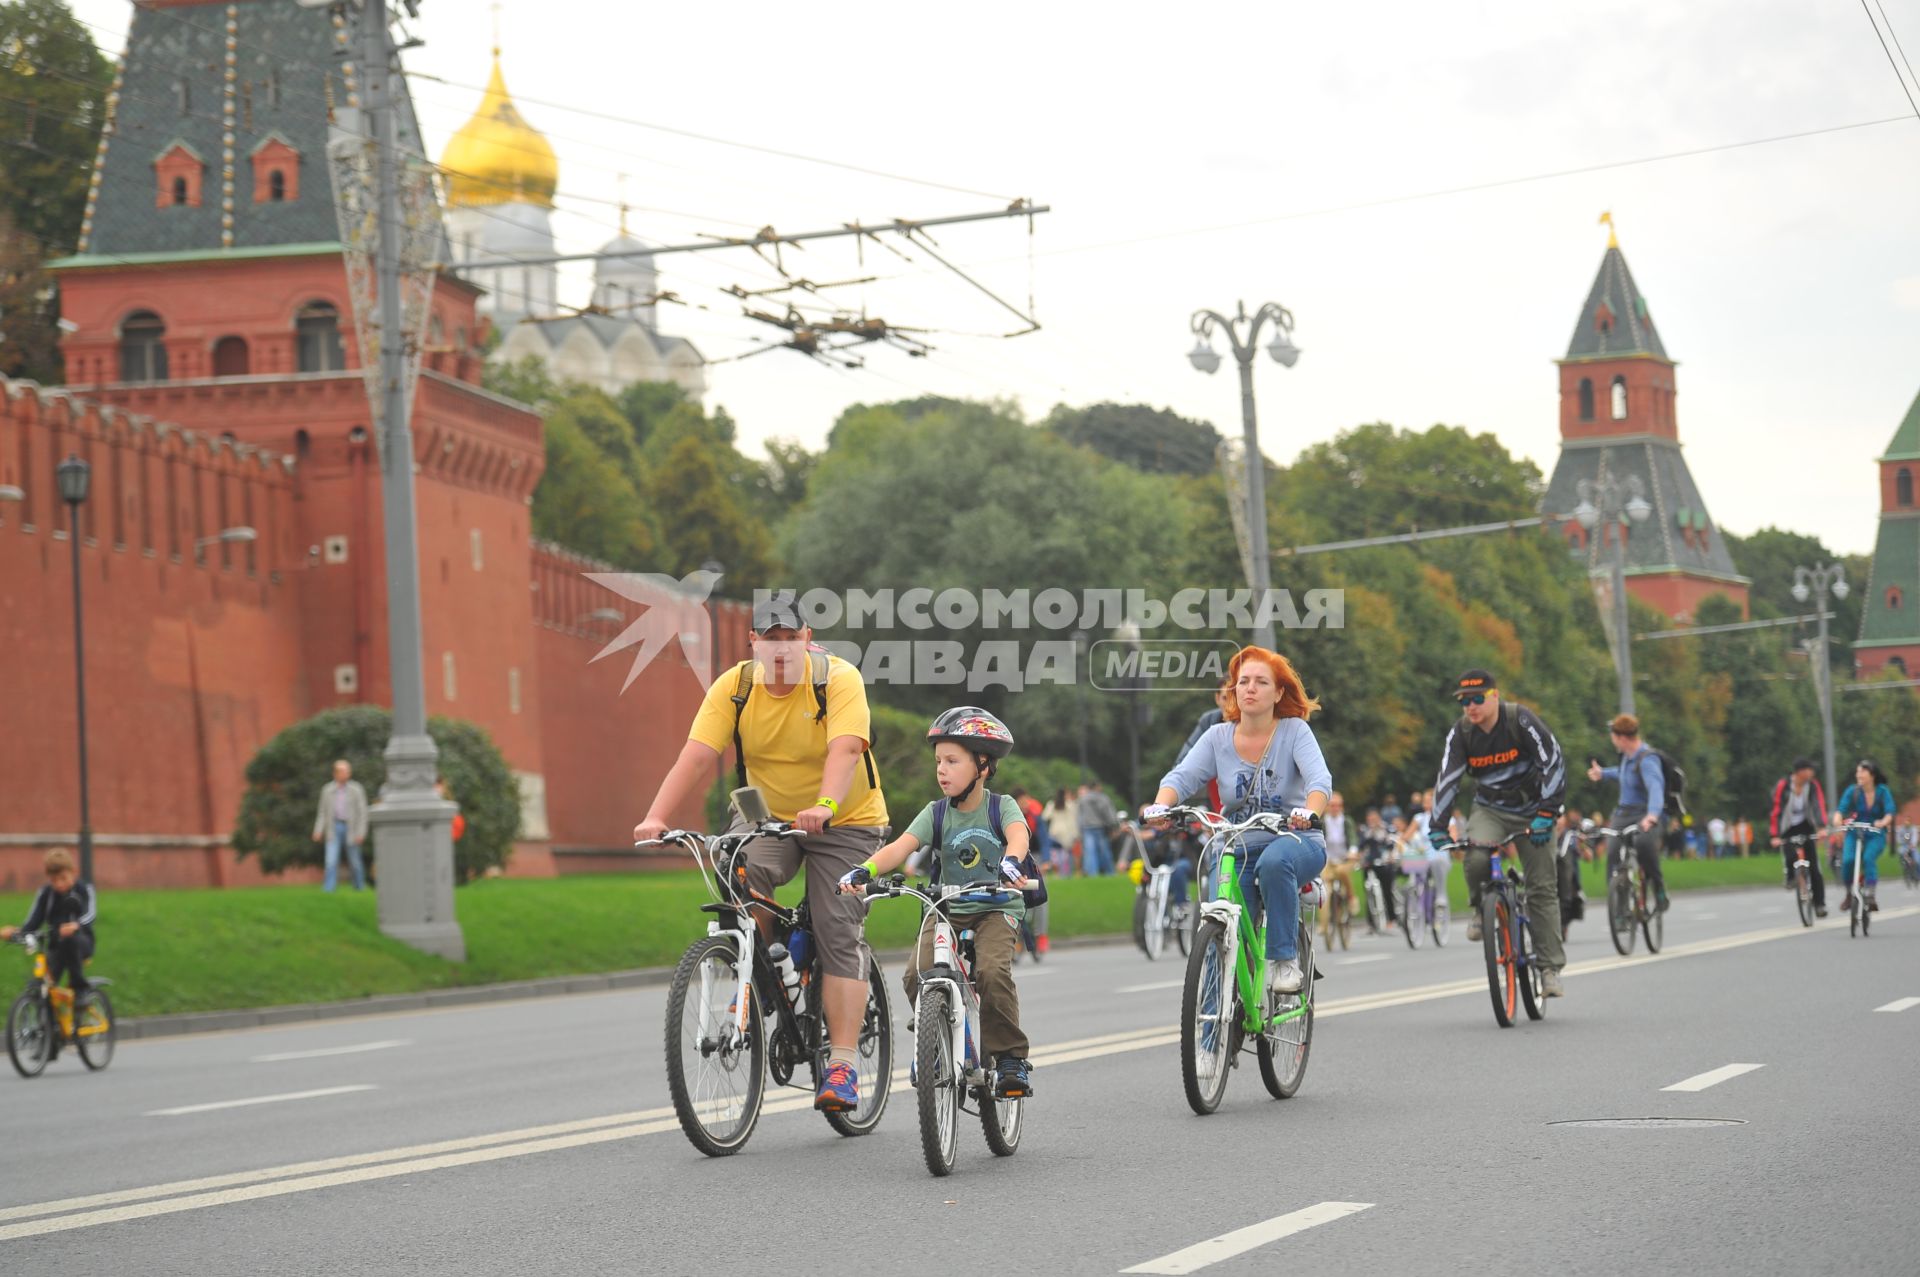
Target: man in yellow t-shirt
{"points": [[812, 770]]}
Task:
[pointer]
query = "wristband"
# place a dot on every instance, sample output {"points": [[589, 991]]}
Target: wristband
{"points": [[870, 867], [828, 803]]}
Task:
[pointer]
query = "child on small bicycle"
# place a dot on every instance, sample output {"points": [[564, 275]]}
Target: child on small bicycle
{"points": [[967, 743], [65, 906]]}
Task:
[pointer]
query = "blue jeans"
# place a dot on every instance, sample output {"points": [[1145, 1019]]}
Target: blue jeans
{"points": [[336, 839], [1272, 867], [1177, 883], [1870, 872], [1096, 853]]}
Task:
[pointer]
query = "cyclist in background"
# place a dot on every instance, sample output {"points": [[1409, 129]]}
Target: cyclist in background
{"points": [[1376, 853], [1520, 780], [1869, 800], [1343, 855], [1643, 796], [1800, 808]]}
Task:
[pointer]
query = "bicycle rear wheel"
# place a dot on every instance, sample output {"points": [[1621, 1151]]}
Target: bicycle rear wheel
{"points": [[1376, 907], [1496, 935], [1532, 995], [1653, 923], [1340, 921], [1001, 1120], [1283, 1048], [1183, 928], [875, 1052], [1442, 917], [718, 1079], [1209, 1019], [93, 1025], [938, 1081], [1620, 920], [1803, 897], [1410, 909], [1140, 922], [29, 1035]]}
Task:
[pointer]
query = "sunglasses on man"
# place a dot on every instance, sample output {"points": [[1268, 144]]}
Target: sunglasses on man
{"points": [[1476, 698]]}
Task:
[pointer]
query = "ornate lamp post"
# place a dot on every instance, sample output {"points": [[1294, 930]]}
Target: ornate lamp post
{"points": [[1815, 583]]}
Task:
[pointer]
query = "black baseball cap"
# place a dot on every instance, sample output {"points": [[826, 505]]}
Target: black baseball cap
{"points": [[776, 610], [1474, 681]]}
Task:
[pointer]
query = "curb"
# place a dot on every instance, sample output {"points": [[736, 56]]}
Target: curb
{"points": [[168, 1026]]}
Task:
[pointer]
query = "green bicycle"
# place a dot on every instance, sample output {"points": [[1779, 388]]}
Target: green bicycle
{"points": [[1225, 1001]]}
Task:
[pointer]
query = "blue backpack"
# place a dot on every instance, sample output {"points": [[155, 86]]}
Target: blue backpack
{"points": [[1029, 866]]}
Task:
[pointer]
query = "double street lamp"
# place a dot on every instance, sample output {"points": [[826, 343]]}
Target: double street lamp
{"points": [[1614, 502], [1816, 583], [1207, 360]]}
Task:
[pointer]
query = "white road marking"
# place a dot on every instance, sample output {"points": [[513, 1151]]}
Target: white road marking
{"points": [[1241, 1240], [1900, 1004], [1150, 988], [1712, 1077], [196, 1194], [261, 1099], [331, 1050], [1363, 958], [1704, 917]]}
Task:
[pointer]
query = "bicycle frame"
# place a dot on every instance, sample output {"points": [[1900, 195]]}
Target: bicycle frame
{"points": [[949, 967], [1230, 908]]}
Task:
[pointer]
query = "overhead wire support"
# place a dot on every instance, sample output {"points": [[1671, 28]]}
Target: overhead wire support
{"points": [[1407, 538], [1734, 627]]}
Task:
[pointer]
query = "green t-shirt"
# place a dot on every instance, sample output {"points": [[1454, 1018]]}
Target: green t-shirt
{"points": [[971, 853]]}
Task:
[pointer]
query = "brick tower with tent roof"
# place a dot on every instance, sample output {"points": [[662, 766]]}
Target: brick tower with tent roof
{"points": [[1617, 419], [1890, 613]]}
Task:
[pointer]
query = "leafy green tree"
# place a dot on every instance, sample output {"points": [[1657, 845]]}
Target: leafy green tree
{"points": [[586, 503], [29, 337], [703, 515], [1374, 480], [525, 381], [53, 86], [1154, 440], [275, 821]]}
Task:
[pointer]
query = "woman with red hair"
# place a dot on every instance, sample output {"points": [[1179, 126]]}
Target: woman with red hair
{"points": [[1265, 758]]}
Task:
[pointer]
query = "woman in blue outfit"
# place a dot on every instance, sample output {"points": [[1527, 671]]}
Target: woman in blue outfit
{"points": [[1868, 800], [1265, 758]]}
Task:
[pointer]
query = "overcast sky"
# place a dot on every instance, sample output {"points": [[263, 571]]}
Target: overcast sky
{"points": [[1195, 157]]}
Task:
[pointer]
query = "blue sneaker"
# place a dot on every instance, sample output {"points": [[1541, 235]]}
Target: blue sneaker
{"points": [[1015, 1080], [839, 1090]]}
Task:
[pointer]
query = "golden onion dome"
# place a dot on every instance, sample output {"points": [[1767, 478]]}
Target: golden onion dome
{"points": [[497, 157]]}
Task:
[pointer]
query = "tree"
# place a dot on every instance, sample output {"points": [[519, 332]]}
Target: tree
{"points": [[1374, 480], [702, 514], [1153, 440], [586, 503], [29, 337], [53, 86], [275, 821]]}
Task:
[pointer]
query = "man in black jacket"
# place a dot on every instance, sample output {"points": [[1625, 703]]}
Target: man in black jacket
{"points": [[1520, 782]]}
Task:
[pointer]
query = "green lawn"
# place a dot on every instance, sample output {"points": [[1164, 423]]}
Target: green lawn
{"points": [[174, 951]]}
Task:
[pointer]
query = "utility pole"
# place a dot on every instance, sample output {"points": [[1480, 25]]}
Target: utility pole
{"points": [[1816, 583], [1615, 505], [413, 826]]}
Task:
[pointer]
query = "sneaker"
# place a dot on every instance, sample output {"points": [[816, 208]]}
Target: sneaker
{"points": [[1287, 978], [1873, 902], [839, 1090], [1819, 911], [1015, 1079], [1660, 905], [1550, 984], [1473, 927], [1846, 903]]}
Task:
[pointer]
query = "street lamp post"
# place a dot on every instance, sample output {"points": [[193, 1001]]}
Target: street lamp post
{"points": [[1815, 583], [713, 640], [74, 478], [1615, 503], [1085, 673], [1207, 360], [1129, 634]]}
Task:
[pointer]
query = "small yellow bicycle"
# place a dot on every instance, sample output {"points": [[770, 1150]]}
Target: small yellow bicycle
{"points": [[45, 1018]]}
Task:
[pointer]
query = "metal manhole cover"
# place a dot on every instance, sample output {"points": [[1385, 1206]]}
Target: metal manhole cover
{"points": [[1650, 1123]]}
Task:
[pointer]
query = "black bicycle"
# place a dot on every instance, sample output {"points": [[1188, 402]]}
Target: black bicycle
{"points": [[739, 1009], [1514, 971], [1628, 904], [1802, 876]]}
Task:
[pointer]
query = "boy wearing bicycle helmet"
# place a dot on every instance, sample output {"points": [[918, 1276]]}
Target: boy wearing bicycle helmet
{"points": [[975, 845]]}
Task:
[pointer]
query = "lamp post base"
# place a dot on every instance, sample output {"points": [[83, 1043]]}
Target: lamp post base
{"points": [[413, 840]]}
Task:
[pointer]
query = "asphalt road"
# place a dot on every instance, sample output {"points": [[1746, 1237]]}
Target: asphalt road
{"points": [[527, 1136]]}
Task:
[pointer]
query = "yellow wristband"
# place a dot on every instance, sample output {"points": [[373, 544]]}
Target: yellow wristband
{"points": [[828, 803]]}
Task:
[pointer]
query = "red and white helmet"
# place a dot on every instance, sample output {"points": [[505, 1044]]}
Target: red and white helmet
{"points": [[973, 729]]}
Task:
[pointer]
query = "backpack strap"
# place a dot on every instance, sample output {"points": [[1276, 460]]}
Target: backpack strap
{"points": [[939, 827], [823, 669], [742, 689], [993, 818]]}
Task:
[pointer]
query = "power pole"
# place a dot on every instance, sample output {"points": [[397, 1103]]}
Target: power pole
{"points": [[414, 827]]}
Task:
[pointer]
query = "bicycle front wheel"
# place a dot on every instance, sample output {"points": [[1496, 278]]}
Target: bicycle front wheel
{"points": [[29, 1034], [1209, 1019], [1140, 922], [1183, 927], [93, 1025], [937, 1079], [1001, 1121], [1496, 934], [1532, 995], [1442, 917], [717, 1077], [875, 1053], [1620, 920], [1803, 897], [1340, 920], [1410, 909], [1653, 923], [1376, 908], [1159, 919], [1283, 1048]]}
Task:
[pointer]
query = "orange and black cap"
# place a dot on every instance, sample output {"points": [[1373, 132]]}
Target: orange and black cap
{"points": [[1472, 682]]}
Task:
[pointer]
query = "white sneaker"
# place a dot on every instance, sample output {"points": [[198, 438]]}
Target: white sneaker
{"points": [[1473, 927], [1287, 977]]}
